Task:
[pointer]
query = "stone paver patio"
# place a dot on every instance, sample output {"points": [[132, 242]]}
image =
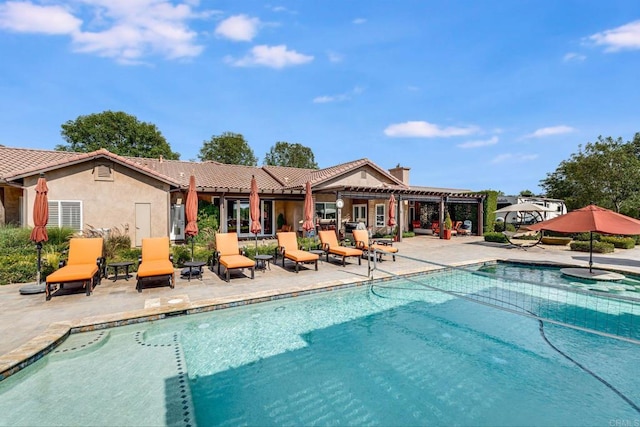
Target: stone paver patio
{"points": [[29, 324]]}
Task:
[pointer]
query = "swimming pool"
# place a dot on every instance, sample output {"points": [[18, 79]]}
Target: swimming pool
{"points": [[398, 353]]}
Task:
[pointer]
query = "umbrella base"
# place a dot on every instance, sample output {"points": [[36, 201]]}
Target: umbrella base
{"points": [[594, 274], [32, 288]]}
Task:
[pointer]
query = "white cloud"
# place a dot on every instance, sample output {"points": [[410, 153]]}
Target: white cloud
{"points": [[338, 98], [422, 129], [121, 29], [514, 158], [26, 17], [550, 131], [359, 21], [624, 37], [238, 28], [479, 143], [574, 57], [270, 56]]}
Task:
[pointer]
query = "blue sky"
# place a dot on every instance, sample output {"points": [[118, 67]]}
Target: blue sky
{"points": [[468, 94]]}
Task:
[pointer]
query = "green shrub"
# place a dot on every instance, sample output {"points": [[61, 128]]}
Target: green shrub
{"points": [[584, 237], [181, 254], [408, 234], [269, 249], [59, 235], [598, 247], [620, 242], [495, 237]]}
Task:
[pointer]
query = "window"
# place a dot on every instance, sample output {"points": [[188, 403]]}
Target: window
{"points": [[239, 219], [326, 210], [360, 213], [380, 215], [65, 213]]}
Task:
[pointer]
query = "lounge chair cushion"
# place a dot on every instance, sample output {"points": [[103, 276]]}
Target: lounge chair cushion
{"points": [[155, 258], [330, 239], [362, 241], [73, 273], [155, 268], [236, 261], [82, 263], [289, 243]]}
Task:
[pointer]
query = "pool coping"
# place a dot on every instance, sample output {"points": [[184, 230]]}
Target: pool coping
{"points": [[39, 346]]}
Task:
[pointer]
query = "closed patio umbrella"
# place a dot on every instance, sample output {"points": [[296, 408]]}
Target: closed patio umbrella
{"points": [[391, 222], [191, 212], [591, 218], [308, 225], [39, 232], [254, 210]]}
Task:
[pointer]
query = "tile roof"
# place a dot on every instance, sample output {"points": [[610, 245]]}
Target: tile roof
{"points": [[13, 160], [16, 163]]}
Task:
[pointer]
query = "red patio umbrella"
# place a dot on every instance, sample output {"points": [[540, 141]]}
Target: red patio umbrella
{"points": [[39, 232], [191, 212], [591, 218], [254, 210], [308, 225], [392, 212]]}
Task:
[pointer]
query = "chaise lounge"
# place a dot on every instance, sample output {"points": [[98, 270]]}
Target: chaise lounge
{"points": [[362, 242], [229, 255], [330, 245], [155, 262], [288, 248], [84, 264]]}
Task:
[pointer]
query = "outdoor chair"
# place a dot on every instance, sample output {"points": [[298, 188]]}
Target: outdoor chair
{"points": [[230, 256], [288, 248], [362, 242], [330, 245], [155, 262], [465, 228], [85, 264]]}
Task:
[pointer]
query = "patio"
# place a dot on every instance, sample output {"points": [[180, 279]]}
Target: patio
{"points": [[26, 320]]}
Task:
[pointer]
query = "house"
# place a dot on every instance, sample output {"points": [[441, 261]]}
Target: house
{"points": [[145, 197]]}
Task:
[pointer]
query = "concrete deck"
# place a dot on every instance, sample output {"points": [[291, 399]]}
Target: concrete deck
{"points": [[28, 323]]}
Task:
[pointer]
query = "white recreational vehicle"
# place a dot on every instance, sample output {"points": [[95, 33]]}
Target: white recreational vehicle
{"points": [[557, 207]]}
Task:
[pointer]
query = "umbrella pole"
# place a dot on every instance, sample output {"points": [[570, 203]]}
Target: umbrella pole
{"points": [[590, 250], [39, 247], [193, 238], [37, 287]]}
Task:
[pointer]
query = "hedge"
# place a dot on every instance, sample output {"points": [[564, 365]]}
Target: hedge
{"points": [[620, 242], [492, 236], [598, 247]]}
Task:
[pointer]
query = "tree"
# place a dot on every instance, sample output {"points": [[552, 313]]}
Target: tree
{"points": [[605, 172], [291, 155], [229, 148], [116, 131], [526, 193]]}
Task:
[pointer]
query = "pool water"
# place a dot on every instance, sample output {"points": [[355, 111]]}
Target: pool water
{"points": [[395, 354], [629, 286]]}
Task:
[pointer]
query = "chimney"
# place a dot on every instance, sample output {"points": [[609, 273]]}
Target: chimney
{"points": [[401, 173], [160, 158]]}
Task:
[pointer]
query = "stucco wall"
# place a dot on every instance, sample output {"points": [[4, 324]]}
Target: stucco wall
{"points": [[106, 203]]}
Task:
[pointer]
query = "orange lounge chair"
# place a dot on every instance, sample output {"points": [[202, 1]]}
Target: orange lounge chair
{"points": [[228, 254], [155, 261], [84, 264], [288, 248], [330, 245], [362, 242]]}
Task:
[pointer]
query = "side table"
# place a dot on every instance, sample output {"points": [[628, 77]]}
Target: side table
{"points": [[318, 252], [192, 268], [263, 262], [118, 265]]}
